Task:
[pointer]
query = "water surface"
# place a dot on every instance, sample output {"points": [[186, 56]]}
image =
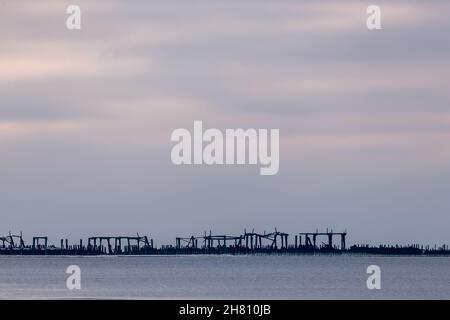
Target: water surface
{"points": [[225, 277]]}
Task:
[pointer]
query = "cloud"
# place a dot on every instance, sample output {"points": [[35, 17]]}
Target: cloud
{"points": [[48, 61], [86, 117], [15, 132]]}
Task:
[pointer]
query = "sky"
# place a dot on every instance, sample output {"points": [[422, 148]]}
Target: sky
{"points": [[364, 117]]}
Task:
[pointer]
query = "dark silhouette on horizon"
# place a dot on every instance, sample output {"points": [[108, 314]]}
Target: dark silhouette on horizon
{"points": [[248, 243]]}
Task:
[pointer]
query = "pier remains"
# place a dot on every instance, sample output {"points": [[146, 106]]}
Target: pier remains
{"points": [[247, 243]]}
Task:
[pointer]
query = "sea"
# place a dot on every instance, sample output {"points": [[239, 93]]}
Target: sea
{"points": [[225, 277]]}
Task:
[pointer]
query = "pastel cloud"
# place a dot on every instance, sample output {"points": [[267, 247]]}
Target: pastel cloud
{"points": [[106, 99]]}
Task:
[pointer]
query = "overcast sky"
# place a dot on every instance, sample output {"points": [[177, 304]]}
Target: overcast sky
{"points": [[364, 117]]}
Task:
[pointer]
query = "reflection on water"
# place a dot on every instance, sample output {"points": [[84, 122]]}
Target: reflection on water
{"points": [[226, 277]]}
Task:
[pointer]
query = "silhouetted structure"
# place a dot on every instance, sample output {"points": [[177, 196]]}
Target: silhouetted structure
{"points": [[328, 234], [141, 244], [248, 243]]}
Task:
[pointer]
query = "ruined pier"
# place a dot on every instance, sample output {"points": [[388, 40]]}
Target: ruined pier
{"points": [[247, 243]]}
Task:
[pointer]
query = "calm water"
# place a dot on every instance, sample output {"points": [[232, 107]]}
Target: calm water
{"points": [[234, 277]]}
